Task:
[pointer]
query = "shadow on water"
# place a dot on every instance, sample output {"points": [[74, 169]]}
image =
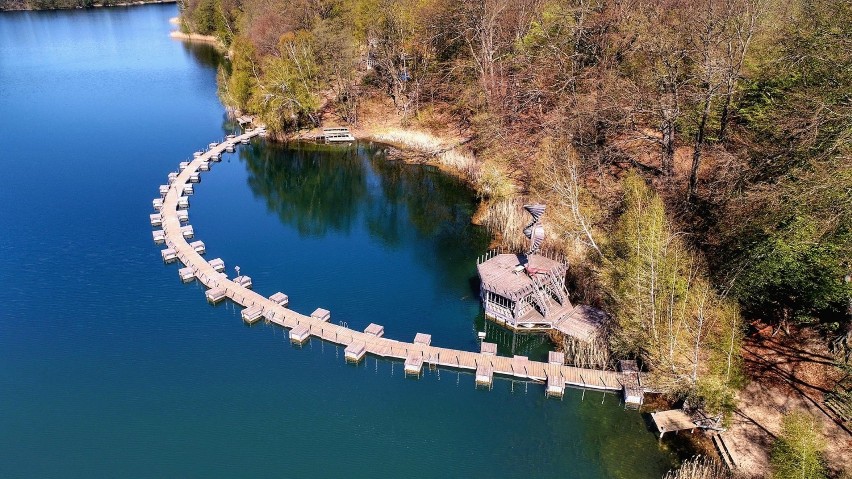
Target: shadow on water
{"points": [[321, 190], [206, 55]]}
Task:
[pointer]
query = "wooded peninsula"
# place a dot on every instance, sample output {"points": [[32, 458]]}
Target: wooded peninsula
{"points": [[695, 157]]}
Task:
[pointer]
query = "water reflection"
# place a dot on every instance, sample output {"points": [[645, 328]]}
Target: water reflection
{"points": [[308, 188], [206, 55], [319, 189]]}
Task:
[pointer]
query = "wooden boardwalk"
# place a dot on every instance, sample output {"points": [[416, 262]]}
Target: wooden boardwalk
{"points": [[521, 368]]}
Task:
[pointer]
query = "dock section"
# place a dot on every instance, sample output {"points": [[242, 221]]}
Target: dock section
{"points": [[633, 392], [672, 421], [337, 134]]}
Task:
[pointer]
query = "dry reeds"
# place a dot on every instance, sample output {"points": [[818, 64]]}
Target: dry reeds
{"points": [[506, 218], [583, 354], [699, 467]]}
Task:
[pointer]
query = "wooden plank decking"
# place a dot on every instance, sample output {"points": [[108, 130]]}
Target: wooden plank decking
{"points": [[672, 421], [276, 313]]}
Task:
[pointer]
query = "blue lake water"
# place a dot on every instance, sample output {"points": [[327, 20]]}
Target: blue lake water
{"points": [[110, 367]]}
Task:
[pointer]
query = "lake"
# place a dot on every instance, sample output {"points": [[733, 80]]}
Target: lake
{"points": [[110, 367]]}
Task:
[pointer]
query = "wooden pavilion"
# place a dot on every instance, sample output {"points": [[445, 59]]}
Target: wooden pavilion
{"points": [[524, 292]]}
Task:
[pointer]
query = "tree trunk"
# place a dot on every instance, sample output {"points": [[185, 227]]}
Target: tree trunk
{"points": [[696, 154], [667, 162], [723, 125]]}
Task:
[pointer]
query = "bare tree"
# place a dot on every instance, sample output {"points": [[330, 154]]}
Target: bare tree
{"points": [[564, 180], [706, 47], [666, 78], [724, 31], [741, 28]]}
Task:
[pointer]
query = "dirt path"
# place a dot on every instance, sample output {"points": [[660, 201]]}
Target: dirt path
{"points": [[787, 373]]}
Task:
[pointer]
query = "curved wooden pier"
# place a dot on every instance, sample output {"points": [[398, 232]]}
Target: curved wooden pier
{"points": [[485, 363]]}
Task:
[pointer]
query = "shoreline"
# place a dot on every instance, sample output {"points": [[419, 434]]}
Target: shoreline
{"points": [[94, 6], [442, 153], [416, 146], [196, 38]]}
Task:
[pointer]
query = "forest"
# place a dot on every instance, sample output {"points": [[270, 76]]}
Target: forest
{"points": [[695, 156]]}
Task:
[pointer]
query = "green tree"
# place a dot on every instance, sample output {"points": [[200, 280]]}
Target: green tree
{"points": [[790, 255], [235, 87], [204, 17], [797, 452], [665, 310], [287, 94]]}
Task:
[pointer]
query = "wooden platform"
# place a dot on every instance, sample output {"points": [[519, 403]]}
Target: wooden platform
{"points": [[413, 364], [355, 351], [337, 134], [484, 374], [554, 357], [168, 255], [634, 395], [376, 330], [186, 274], [672, 421], [555, 386], [582, 322], [252, 314], [300, 334], [724, 452], [280, 298], [198, 246], [320, 314], [501, 273], [218, 264], [214, 295], [303, 327]]}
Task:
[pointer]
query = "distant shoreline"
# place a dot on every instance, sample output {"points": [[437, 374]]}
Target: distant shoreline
{"points": [[97, 5]]}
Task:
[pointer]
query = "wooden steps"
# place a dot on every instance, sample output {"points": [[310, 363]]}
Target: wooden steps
{"points": [[724, 452], [841, 407]]}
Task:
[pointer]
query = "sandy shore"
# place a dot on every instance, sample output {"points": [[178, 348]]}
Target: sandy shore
{"points": [[192, 37]]}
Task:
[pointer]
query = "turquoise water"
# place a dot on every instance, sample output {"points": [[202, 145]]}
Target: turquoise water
{"points": [[110, 367]]}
